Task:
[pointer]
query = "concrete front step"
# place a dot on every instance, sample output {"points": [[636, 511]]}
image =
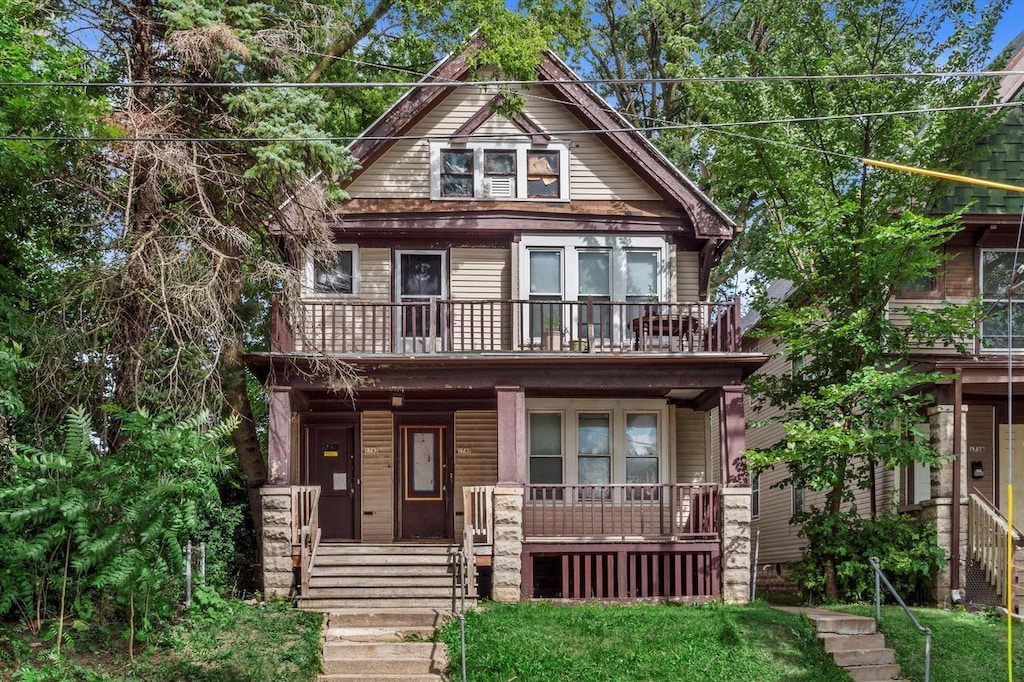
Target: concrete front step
{"points": [[369, 561], [441, 581], [379, 592], [393, 568], [360, 617], [347, 651], [381, 677], [858, 657], [365, 668], [328, 549], [333, 604], [874, 673], [837, 642], [378, 634], [839, 623]]}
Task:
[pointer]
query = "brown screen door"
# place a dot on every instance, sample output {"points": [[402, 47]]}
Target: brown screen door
{"points": [[332, 466], [424, 487]]}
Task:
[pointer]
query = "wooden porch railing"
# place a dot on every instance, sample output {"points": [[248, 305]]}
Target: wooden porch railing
{"points": [[479, 326], [679, 512], [477, 526], [306, 528], [986, 535]]}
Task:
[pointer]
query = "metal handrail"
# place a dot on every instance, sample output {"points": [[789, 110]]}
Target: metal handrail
{"points": [[461, 569], [880, 578]]}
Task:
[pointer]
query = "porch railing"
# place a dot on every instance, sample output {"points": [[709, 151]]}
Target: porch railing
{"points": [[485, 326], [986, 536], [306, 529], [679, 512], [477, 526]]}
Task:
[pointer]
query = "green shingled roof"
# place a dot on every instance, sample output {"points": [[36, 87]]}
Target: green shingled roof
{"points": [[1002, 161]]}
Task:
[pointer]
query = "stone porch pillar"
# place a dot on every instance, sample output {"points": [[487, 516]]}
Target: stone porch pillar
{"points": [[279, 442], [278, 574], [940, 508], [735, 499], [507, 567]]}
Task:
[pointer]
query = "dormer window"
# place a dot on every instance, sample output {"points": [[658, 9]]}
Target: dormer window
{"points": [[500, 171]]}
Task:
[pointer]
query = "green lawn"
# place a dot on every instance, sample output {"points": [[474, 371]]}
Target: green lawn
{"points": [[965, 646], [642, 642]]}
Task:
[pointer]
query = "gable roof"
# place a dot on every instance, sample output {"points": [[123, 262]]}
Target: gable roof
{"points": [[582, 101]]}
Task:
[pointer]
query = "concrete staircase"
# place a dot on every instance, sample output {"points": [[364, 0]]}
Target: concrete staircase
{"points": [[364, 576], [854, 644], [383, 644]]}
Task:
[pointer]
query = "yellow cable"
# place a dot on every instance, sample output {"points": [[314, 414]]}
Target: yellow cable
{"points": [[944, 176], [1009, 579]]}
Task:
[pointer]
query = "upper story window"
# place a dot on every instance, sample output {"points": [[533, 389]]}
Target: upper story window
{"points": [[499, 171], [997, 278], [333, 271]]}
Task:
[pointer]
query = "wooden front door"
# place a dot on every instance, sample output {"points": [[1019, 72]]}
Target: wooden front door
{"points": [[332, 465], [425, 482]]}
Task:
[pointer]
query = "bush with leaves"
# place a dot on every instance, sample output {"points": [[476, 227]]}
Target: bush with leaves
{"points": [[905, 546], [90, 530]]}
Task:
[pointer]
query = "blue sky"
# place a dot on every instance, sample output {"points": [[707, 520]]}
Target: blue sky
{"points": [[1010, 26]]}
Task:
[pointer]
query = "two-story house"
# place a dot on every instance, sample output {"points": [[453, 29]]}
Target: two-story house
{"points": [[972, 417], [542, 378]]}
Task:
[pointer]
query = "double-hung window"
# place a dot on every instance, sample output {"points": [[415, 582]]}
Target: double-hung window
{"points": [[1001, 289], [333, 271], [500, 171]]}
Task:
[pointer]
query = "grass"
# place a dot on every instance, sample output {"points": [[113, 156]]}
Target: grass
{"points": [[965, 646], [234, 642], [539, 641]]}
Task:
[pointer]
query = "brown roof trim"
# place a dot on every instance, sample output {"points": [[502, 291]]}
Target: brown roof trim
{"points": [[635, 149], [627, 143], [521, 121]]}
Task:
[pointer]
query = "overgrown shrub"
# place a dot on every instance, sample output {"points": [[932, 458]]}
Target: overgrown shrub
{"points": [[905, 546], [94, 530]]}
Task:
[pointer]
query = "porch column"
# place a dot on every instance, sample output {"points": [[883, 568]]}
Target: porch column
{"points": [[507, 566], [940, 508], [279, 440], [278, 577], [735, 499]]}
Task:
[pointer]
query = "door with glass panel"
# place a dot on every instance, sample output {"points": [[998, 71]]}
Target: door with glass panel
{"points": [[546, 319], [594, 316], [421, 277]]}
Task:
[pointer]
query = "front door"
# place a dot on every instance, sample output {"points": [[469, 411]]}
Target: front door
{"points": [[425, 482], [332, 466]]}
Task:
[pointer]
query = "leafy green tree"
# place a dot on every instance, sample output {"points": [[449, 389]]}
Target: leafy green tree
{"points": [[848, 238]]}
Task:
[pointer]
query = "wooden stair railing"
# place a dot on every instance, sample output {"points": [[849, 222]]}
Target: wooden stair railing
{"points": [[478, 522], [306, 529], [986, 536]]}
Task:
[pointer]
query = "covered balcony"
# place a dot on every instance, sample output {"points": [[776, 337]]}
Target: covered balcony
{"points": [[461, 327]]}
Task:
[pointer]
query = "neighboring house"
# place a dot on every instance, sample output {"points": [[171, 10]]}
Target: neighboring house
{"points": [[542, 378], [970, 418]]}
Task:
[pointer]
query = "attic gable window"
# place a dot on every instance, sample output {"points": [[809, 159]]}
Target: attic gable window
{"points": [[499, 171]]}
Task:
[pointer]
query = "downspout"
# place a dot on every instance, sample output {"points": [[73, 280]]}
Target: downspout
{"points": [[954, 572]]}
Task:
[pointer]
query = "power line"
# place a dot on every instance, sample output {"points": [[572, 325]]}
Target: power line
{"points": [[506, 83], [668, 127]]}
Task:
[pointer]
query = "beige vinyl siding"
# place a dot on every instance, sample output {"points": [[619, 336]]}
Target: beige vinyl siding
{"points": [[778, 542], [375, 274], [476, 454], [481, 275], [765, 436], [713, 437], [404, 170], [687, 275], [377, 474], [899, 317], [691, 446]]}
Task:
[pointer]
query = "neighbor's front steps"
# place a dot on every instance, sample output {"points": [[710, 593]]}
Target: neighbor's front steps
{"points": [[854, 643], [383, 644]]}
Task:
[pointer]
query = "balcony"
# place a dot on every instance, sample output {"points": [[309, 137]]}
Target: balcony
{"points": [[460, 327]]}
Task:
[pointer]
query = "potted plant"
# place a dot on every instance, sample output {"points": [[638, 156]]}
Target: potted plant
{"points": [[552, 333], [651, 308]]}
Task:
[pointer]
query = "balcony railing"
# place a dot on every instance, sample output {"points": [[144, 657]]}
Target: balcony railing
{"points": [[514, 326], [680, 512]]}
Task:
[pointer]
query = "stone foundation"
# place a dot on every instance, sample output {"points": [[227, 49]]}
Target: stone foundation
{"points": [[736, 545], [278, 574], [507, 567]]}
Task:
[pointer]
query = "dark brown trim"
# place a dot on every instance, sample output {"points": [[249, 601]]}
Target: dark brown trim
{"points": [[521, 121]]}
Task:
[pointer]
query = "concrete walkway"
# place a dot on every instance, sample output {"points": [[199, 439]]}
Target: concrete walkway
{"points": [[853, 642]]}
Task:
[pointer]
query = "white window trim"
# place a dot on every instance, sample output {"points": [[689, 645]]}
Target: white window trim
{"points": [[617, 409], [617, 245], [478, 148], [308, 286], [1018, 299], [530, 455]]}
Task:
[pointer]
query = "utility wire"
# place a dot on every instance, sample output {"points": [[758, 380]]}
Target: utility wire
{"points": [[510, 83], [515, 135]]}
